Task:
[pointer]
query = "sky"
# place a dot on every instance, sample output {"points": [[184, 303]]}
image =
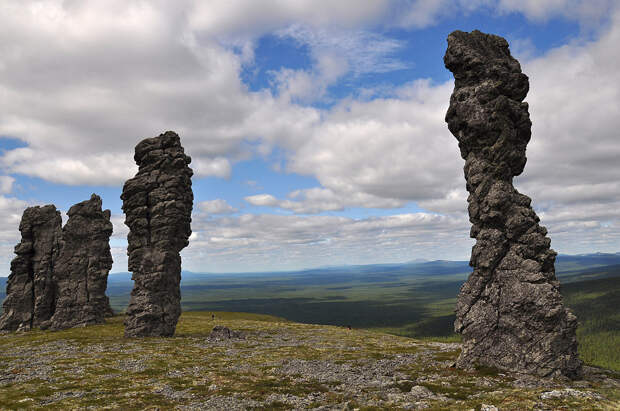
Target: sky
{"points": [[316, 127]]}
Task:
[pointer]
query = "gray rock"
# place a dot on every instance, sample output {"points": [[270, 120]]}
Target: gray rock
{"points": [[509, 312], [220, 332], [157, 203], [81, 270], [569, 393], [31, 292], [420, 391]]}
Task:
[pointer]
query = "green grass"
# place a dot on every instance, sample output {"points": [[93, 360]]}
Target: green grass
{"points": [[397, 302], [424, 307], [96, 366]]}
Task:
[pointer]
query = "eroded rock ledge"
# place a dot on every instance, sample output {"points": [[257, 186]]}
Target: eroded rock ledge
{"points": [[510, 311]]}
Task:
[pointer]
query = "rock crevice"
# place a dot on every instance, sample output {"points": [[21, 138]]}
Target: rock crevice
{"points": [[510, 311]]}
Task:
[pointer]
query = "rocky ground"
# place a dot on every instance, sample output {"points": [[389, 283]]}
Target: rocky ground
{"points": [[274, 364]]}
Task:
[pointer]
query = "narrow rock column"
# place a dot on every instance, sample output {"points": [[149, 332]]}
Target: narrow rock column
{"points": [[510, 311], [31, 292], [81, 270], [158, 204]]}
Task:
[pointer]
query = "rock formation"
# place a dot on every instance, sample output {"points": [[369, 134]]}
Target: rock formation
{"points": [[31, 291], [158, 205], [220, 332], [81, 270], [509, 312]]}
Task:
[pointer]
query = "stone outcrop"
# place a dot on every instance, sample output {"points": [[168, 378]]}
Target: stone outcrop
{"points": [[219, 332], [31, 291], [81, 270], [157, 203], [509, 312]]}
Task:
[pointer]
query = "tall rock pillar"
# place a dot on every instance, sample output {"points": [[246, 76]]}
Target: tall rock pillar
{"points": [[81, 270], [31, 291], [158, 204], [509, 312]]}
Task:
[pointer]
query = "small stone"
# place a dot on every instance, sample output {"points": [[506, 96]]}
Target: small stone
{"points": [[420, 391], [568, 393], [486, 407], [220, 332]]}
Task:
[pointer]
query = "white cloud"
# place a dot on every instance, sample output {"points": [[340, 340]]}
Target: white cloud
{"points": [[573, 168], [217, 206], [252, 17], [6, 184], [585, 11], [396, 149], [82, 83], [262, 200], [316, 200], [264, 242], [425, 13]]}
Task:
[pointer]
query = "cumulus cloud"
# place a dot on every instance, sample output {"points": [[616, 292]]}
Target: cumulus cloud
{"points": [[217, 206], [6, 184], [397, 149], [335, 52], [586, 11], [250, 242], [81, 83], [572, 170], [248, 17], [316, 200], [424, 13]]}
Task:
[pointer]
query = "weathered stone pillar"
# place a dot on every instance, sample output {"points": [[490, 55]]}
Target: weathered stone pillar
{"points": [[81, 270], [509, 312], [31, 291], [158, 205]]}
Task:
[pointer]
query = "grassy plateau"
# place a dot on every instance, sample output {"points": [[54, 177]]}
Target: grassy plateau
{"points": [[298, 352]]}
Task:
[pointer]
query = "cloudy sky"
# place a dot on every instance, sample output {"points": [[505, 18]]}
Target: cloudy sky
{"points": [[315, 126]]}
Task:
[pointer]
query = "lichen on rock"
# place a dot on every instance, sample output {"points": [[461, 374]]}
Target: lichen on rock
{"points": [[509, 312], [157, 203]]}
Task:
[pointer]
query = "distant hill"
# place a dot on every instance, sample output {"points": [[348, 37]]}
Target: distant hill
{"points": [[568, 268]]}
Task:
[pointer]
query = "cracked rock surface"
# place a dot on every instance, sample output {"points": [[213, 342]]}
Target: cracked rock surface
{"points": [[81, 270], [157, 203], [509, 312], [31, 292]]}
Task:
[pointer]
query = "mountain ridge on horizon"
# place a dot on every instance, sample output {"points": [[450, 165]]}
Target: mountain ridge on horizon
{"points": [[607, 259]]}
